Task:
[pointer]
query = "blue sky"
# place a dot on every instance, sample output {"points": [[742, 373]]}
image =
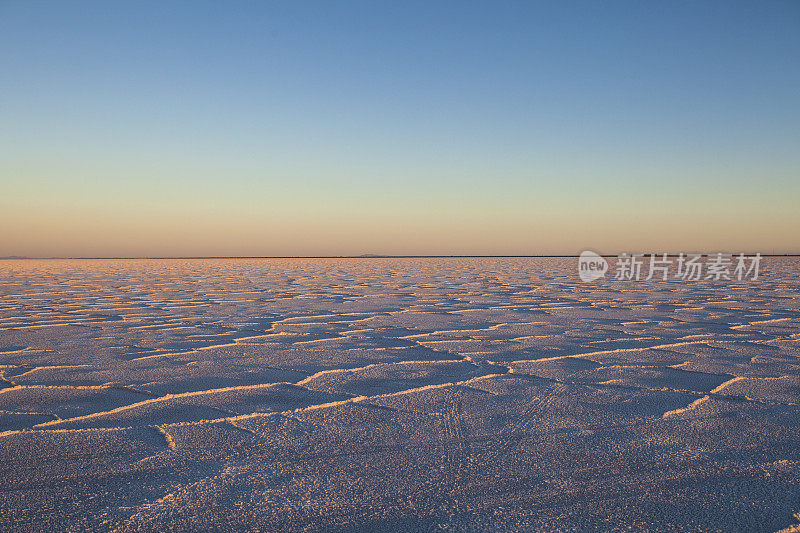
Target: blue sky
{"points": [[304, 128]]}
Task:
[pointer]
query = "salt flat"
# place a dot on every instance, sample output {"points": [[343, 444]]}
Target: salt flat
{"points": [[395, 394]]}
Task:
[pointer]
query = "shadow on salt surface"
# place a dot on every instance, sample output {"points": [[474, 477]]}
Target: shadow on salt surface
{"points": [[202, 405], [740, 358], [561, 369], [647, 357], [166, 412], [784, 389], [213, 377], [644, 353], [653, 378], [586, 406], [11, 348], [395, 377], [184, 344], [312, 358], [14, 421], [631, 375], [427, 321], [711, 410], [65, 401], [162, 375]]}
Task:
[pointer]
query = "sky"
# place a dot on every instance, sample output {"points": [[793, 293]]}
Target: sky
{"points": [[410, 128]]}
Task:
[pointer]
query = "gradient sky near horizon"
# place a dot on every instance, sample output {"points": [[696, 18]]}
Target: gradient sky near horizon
{"points": [[343, 128]]}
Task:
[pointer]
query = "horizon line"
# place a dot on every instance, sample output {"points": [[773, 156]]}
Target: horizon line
{"points": [[363, 256]]}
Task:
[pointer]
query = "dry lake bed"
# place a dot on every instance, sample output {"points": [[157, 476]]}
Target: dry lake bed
{"points": [[395, 394]]}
